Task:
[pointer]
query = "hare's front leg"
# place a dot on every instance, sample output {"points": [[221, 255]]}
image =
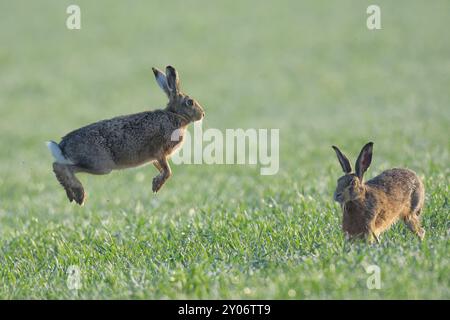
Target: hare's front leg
{"points": [[164, 173], [372, 234], [157, 166], [372, 237], [66, 177]]}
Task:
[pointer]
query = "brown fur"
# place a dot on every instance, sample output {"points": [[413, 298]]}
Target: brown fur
{"points": [[128, 141], [370, 208]]}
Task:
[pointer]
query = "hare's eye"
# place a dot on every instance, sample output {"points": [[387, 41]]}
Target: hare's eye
{"points": [[189, 102]]}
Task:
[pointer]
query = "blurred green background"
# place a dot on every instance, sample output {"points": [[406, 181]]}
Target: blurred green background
{"points": [[311, 69]]}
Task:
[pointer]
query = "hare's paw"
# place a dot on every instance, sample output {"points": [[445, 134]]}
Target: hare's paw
{"points": [[79, 195], [157, 183], [421, 233], [70, 194]]}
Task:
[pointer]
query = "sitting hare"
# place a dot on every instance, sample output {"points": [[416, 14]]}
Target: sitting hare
{"points": [[372, 207], [127, 141]]}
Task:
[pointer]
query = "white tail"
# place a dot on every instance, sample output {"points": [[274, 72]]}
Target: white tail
{"points": [[57, 153]]}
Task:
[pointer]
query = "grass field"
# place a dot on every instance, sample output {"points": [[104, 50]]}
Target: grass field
{"points": [[311, 69]]}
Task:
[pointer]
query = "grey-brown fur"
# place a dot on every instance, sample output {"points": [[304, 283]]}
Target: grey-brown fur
{"points": [[127, 141], [372, 207]]}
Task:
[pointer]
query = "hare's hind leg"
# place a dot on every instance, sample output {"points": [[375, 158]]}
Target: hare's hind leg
{"points": [[412, 218], [65, 174], [412, 221], [163, 166]]}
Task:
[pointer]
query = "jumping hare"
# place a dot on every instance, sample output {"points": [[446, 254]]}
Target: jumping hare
{"points": [[371, 207], [127, 141]]}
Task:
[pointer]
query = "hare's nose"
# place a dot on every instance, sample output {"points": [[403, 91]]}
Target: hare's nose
{"points": [[203, 114]]}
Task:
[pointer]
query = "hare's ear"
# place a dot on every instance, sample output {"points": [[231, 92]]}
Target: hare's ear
{"points": [[364, 160], [345, 164], [173, 81], [162, 80]]}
